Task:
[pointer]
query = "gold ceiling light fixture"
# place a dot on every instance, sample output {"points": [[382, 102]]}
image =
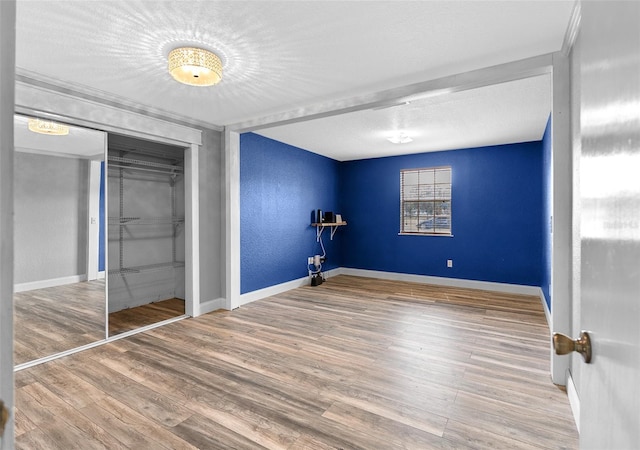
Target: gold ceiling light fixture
{"points": [[48, 127], [195, 66]]}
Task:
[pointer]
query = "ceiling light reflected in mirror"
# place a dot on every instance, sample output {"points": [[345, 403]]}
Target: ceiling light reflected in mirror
{"points": [[47, 127], [78, 142]]}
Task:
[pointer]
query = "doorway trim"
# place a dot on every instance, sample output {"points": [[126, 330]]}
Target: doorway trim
{"points": [[7, 86]]}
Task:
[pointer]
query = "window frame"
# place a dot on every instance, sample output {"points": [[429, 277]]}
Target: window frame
{"points": [[423, 202]]}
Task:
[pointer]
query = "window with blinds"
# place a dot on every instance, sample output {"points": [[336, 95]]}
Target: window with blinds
{"points": [[425, 201]]}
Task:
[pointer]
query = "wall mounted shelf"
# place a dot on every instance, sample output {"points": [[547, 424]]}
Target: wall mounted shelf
{"points": [[321, 226]]}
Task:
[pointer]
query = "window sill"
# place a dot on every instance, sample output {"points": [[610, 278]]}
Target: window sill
{"points": [[425, 234]]}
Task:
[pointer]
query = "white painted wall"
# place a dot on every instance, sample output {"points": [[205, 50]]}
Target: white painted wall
{"points": [[212, 216], [51, 217]]}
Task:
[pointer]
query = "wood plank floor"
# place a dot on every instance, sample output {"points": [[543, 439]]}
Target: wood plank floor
{"points": [[52, 320], [352, 364], [140, 316]]}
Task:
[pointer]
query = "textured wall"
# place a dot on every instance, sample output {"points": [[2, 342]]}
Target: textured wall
{"points": [[280, 187], [496, 216], [212, 267], [50, 217]]}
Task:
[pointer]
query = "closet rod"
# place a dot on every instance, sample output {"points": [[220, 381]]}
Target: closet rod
{"points": [[144, 169], [139, 162]]}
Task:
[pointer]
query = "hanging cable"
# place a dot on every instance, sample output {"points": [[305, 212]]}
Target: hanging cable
{"points": [[324, 253]]}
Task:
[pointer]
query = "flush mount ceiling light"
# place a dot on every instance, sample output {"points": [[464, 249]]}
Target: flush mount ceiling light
{"points": [[401, 138], [48, 127], [195, 66]]}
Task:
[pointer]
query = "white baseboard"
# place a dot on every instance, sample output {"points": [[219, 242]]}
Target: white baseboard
{"points": [[280, 288], [442, 281], [99, 276], [547, 313], [212, 305], [574, 400], [41, 284], [426, 279]]}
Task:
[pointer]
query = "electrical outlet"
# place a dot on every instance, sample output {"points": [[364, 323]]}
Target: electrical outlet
{"points": [[449, 262], [310, 260]]}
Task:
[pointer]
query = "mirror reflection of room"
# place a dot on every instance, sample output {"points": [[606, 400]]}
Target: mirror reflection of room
{"points": [[146, 237], [59, 273]]}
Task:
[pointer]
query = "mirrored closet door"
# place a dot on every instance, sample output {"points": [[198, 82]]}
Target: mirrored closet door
{"points": [[59, 268]]}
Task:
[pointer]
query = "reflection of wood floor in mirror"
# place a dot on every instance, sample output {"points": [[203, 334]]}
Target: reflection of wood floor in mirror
{"points": [[55, 319], [140, 316]]}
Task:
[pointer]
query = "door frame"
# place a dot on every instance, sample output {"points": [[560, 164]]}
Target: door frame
{"points": [[93, 220], [7, 92]]}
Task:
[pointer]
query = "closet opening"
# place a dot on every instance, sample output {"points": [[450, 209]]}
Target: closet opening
{"points": [[146, 232]]}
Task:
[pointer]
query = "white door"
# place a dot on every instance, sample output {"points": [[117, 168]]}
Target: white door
{"points": [[7, 67], [609, 174]]}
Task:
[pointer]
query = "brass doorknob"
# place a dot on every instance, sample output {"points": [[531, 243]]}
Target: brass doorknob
{"points": [[563, 345]]}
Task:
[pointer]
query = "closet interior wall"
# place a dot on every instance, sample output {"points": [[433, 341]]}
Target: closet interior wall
{"points": [[146, 209]]}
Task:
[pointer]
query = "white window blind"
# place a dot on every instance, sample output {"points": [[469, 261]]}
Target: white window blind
{"points": [[425, 201]]}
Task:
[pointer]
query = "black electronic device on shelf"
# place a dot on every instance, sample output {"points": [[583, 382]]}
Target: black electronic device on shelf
{"points": [[329, 217]]}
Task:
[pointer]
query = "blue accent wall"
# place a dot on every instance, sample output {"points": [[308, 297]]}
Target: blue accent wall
{"points": [[280, 188], [499, 222], [547, 212], [496, 210]]}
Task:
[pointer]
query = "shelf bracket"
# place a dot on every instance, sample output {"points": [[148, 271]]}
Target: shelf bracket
{"points": [[320, 228]]}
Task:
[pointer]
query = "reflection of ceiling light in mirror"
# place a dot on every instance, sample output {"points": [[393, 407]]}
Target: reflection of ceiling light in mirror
{"points": [[399, 139], [48, 127], [195, 66]]}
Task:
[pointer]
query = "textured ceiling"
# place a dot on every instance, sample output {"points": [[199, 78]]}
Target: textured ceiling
{"points": [[277, 56], [500, 114]]}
